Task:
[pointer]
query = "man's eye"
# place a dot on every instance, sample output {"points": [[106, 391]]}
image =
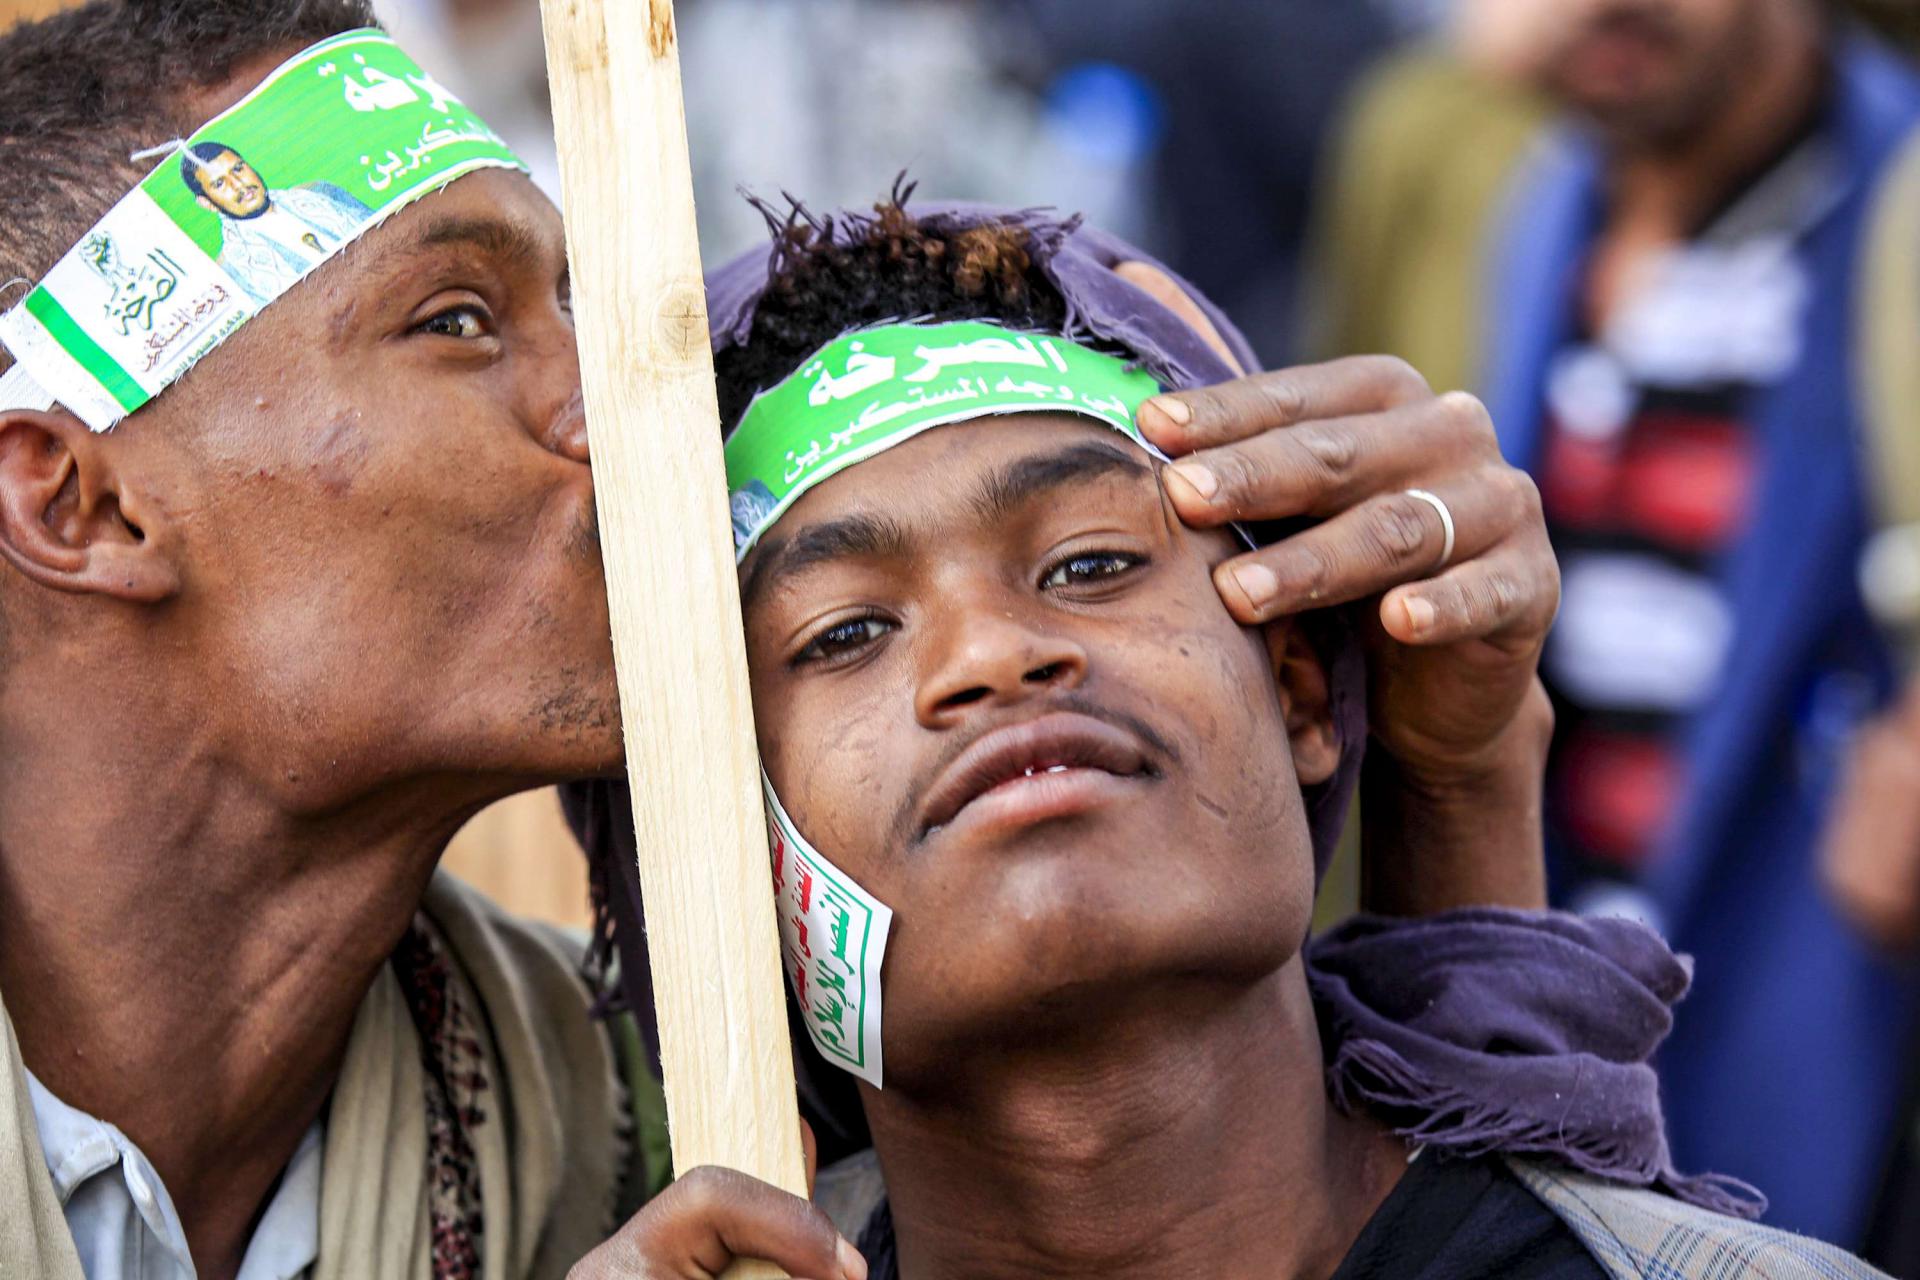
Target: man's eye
{"points": [[1089, 567], [456, 322], [842, 639]]}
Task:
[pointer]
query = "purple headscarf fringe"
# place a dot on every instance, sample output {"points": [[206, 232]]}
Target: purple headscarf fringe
{"points": [[1369, 1074]]}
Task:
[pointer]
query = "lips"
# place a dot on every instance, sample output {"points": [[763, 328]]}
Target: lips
{"points": [[1622, 42], [1051, 749]]}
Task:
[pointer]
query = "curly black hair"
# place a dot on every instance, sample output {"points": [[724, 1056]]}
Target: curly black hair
{"points": [[831, 275]]}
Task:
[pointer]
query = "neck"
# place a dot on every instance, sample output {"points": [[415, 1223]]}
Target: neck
{"points": [[1661, 194], [183, 956], [1197, 1144]]}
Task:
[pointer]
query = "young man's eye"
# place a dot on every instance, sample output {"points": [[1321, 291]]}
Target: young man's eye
{"points": [[1089, 567], [456, 322], [842, 639]]}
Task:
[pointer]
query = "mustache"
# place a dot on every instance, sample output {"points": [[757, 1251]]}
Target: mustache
{"points": [[906, 817]]}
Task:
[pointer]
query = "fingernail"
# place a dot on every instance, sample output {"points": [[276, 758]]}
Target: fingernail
{"points": [[852, 1265], [1419, 614], [1257, 583], [1202, 480], [1178, 412]]}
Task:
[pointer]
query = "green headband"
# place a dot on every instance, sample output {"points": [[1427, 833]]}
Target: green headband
{"points": [[333, 141], [865, 392]]}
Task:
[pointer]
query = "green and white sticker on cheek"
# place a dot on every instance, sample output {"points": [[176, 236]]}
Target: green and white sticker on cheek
{"points": [[833, 937]]}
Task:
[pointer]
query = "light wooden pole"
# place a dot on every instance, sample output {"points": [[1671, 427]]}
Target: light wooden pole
{"points": [[653, 422]]}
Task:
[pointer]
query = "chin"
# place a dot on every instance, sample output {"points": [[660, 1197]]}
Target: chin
{"points": [[1054, 962], [579, 738]]}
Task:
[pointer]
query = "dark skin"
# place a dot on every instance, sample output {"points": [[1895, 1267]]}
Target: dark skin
{"points": [[271, 641], [1101, 1054]]}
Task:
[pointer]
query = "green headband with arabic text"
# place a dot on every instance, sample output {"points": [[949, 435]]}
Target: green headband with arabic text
{"points": [[335, 140], [875, 388]]}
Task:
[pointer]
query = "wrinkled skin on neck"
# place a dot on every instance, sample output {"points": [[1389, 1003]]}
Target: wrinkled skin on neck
{"points": [[267, 645], [1101, 1057]]}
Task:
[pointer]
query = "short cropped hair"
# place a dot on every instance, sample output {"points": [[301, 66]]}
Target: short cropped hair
{"points": [[82, 90]]}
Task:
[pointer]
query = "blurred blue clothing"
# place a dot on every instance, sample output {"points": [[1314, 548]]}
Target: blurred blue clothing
{"points": [[1785, 1066]]}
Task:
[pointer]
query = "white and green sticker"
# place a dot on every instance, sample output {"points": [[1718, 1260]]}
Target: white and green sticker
{"points": [[833, 936], [333, 141]]}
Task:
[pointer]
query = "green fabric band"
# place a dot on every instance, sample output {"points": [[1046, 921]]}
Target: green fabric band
{"points": [[867, 391]]}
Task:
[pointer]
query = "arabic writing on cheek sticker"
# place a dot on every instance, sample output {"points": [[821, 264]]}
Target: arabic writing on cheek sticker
{"points": [[833, 935]]}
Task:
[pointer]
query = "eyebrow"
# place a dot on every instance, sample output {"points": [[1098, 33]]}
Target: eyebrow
{"points": [[1001, 494], [854, 536], [507, 238], [510, 241]]}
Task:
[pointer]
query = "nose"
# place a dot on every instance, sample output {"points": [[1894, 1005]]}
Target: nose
{"points": [[566, 434], [556, 415], [990, 651]]}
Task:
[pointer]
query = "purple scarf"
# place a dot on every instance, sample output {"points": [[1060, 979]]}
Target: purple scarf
{"points": [[1475, 1031]]}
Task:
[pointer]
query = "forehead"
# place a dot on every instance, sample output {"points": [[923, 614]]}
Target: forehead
{"points": [[219, 168], [958, 485], [496, 213]]}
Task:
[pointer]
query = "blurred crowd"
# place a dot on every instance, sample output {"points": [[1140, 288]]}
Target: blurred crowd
{"points": [[1675, 244]]}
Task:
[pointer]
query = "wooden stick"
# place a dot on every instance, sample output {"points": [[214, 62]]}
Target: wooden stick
{"points": [[653, 423]]}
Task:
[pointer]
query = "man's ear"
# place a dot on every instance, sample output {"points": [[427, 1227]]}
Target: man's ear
{"points": [[207, 204], [1305, 699], [1162, 288], [66, 521]]}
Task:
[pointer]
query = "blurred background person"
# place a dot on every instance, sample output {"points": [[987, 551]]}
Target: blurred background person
{"points": [[1670, 339], [1422, 153], [839, 96], [1194, 129], [1249, 91]]}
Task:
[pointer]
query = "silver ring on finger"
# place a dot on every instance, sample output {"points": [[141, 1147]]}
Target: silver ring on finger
{"points": [[1446, 523]]}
